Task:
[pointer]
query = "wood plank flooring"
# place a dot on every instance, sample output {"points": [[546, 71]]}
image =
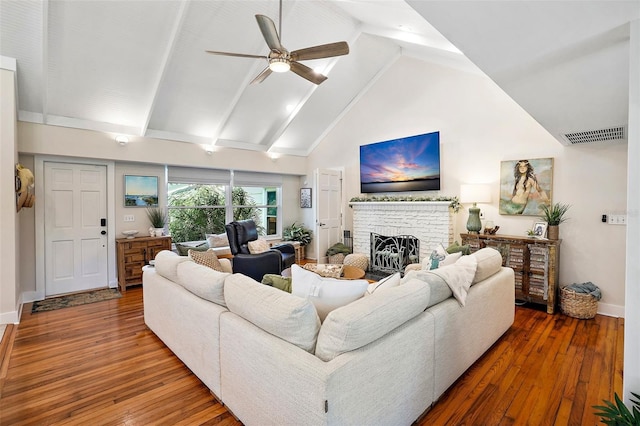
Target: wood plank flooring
{"points": [[98, 364]]}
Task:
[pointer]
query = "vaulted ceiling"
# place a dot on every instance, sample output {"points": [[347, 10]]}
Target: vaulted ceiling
{"points": [[140, 67]]}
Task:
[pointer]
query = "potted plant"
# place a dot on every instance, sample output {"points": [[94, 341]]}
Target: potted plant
{"points": [[158, 219], [619, 413], [296, 232], [554, 215]]}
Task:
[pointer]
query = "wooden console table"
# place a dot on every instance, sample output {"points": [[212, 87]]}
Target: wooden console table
{"points": [[133, 254], [534, 261]]}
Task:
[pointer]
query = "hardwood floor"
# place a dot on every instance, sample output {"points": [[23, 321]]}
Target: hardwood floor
{"points": [[98, 364]]}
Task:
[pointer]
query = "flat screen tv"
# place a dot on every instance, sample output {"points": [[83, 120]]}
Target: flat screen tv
{"points": [[406, 164]]}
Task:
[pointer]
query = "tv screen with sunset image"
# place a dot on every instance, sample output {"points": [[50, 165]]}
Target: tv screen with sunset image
{"points": [[405, 164]]}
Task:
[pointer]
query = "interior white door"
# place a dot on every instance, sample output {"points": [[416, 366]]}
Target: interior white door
{"points": [[75, 214], [328, 211]]}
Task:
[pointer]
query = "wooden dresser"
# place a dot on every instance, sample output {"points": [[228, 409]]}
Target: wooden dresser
{"points": [[535, 263], [133, 254]]}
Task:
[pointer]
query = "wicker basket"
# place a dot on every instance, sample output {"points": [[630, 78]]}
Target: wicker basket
{"points": [[577, 305], [336, 258]]}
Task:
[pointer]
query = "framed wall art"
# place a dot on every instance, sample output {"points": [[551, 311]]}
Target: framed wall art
{"points": [[305, 198], [539, 229], [140, 191], [525, 185]]}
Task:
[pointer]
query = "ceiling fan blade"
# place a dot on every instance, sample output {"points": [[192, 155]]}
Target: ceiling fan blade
{"points": [[269, 33], [260, 77], [323, 51], [240, 55], [306, 72]]}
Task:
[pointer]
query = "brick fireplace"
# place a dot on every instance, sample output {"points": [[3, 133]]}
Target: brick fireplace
{"points": [[429, 221]]}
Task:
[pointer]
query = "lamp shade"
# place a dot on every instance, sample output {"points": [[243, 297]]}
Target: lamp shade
{"points": [[475, 193]]}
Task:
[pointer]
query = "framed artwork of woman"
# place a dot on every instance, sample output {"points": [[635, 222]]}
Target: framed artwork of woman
{"points": [[525, 185]]}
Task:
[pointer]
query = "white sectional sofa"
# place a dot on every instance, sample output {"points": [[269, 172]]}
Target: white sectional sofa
{"points": [[383, 359]]}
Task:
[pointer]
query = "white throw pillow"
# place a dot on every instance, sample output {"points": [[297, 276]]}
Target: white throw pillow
{"points": [[438, 258], [386, 282], [450, 259], [326, 294], [258, 246], [217, 240], [459, 276]]}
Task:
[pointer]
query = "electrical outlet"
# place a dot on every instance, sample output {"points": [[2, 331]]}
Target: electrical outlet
{"points": [[617, 219], [129, 218]]}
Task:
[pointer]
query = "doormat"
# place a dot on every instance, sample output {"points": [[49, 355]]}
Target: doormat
{"points": [[75, 300]]}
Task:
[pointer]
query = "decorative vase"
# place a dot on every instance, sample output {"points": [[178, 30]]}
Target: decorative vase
{"points": [[553, 232], [159, 232]]}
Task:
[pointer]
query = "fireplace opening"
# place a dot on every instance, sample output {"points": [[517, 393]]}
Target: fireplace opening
{"points": [[392, 254]]}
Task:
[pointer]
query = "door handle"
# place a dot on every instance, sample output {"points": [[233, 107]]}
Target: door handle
{"points": [[103, 232], [321, 224]]}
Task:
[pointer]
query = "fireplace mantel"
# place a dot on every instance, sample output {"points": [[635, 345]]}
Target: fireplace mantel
{"points": [[430, 221]]}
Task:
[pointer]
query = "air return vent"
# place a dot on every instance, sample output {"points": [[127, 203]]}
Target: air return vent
{"points": [[602, 135]]}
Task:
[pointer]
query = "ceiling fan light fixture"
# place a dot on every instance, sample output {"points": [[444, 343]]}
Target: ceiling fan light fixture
{"points": [[279, 64]]}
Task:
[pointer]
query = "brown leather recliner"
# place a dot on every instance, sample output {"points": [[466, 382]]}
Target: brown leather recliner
{"points": [[273, 261]]}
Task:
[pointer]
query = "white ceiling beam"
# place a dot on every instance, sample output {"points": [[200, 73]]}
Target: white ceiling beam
{"points": [[175, 31]]}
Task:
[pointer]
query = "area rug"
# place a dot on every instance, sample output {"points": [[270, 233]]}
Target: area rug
{"points": [[75, 300]]}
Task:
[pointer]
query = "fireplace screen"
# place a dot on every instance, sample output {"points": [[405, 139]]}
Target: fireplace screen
{"points": [[393, 254]]}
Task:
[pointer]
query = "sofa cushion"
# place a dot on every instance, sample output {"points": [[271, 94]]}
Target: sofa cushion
{"points": [[202, 281], [183, 249], [366, 320], [328, 270], [207, 258], [166, 264], [326, 294], [440, 291], [288, 317], [386, 282], [489, 262], [459, 276]]}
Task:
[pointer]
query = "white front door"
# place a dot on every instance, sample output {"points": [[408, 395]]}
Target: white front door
{"points": [[328, 211], [75, 214]]}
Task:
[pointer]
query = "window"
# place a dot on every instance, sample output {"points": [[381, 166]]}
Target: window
{"points": [[196, 210], [202, 201], [258, 203]]}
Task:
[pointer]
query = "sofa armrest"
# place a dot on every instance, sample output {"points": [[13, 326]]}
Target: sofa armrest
{"points": [[284, 248]]}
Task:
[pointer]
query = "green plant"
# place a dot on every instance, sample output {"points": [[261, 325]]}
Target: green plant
{"points": [[157, 217], [296, 232], [555, 213], [618, 413]]}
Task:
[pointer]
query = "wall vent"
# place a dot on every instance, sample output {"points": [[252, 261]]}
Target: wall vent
{"points": [[601, 135]]}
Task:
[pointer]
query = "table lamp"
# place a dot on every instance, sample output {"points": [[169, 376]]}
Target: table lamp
{"points": [[474, 193]]}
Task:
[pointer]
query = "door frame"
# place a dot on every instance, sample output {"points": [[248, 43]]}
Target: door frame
{"points": [[39, 161]]}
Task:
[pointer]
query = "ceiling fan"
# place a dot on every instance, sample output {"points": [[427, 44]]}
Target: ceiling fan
{"points": [[281, 60]]}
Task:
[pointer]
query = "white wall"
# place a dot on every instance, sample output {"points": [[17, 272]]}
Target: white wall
{"points": [[480, 126], [9, 219]]}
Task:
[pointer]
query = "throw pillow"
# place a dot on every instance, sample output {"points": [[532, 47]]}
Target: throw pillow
{"points": [[183, 249], [207, 258], [328, 270], [459, 276], [456, 247], [277, 281], [326, 294], [217, 240], [450, 259], [439, 257], [386, 282], [258, 246]]}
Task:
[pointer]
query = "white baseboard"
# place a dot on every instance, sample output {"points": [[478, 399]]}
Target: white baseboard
{"points": [[611, 310], [11, 317]]}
